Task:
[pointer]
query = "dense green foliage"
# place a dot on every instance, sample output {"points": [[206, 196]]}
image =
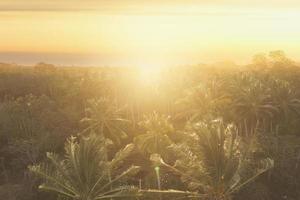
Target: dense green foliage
{"points": [[199, 132]]}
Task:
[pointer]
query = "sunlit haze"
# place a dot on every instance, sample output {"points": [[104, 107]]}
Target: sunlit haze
{"points": [[139, 33]]}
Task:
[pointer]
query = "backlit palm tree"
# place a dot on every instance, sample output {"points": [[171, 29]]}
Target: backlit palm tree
{"points": [[211, 162], [83, 172], [104, 117], [252, 105], [157, 131]]}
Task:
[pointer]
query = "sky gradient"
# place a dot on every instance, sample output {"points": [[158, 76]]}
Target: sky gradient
{"points": [[138, 32]]}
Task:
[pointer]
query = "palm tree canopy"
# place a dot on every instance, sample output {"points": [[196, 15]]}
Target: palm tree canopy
{"points": [[157, 131], [83, 172], [106, 118], [210, 161]]}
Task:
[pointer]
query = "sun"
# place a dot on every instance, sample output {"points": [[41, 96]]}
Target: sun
{"points": [[150, 75]]}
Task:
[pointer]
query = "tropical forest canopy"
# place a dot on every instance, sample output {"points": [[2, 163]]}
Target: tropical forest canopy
{"points": [[213, 132]]}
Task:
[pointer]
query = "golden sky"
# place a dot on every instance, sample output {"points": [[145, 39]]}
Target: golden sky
{"points": [[140, 32]]}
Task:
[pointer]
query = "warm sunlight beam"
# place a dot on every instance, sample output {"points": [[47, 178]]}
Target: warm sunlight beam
{"points": [[149, 75]]}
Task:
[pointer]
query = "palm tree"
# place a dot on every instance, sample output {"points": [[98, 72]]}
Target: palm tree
{"points": [[251, 104], [104, 117], [211, 162], [155, 139], [83, 172], [204, 101], [286, 99], [157, 131]]}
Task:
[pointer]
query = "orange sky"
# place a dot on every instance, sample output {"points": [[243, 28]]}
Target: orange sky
{"points": [[136, 32]]}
